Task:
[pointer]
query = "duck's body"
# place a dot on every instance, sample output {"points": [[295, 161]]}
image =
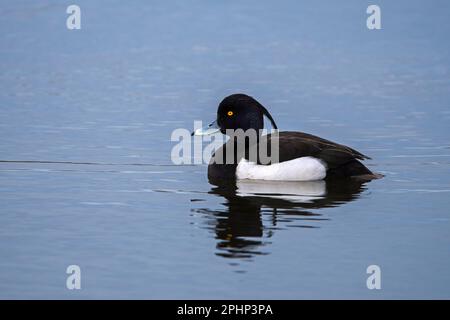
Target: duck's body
{"points": [[301, 156]]}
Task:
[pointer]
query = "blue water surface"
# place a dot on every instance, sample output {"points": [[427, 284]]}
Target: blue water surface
{"points": [[86, 176]]}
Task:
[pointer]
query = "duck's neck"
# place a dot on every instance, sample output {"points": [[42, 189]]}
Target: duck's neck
{"points": [[246, 146]]}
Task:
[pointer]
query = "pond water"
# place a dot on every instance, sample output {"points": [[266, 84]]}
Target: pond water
{"points": [[86, 176]]}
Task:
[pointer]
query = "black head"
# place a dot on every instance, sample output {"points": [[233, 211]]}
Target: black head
{"points": [[240, 111]]}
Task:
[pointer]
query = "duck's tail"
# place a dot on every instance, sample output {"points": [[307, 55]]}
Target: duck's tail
{"points": [[353, 169]]}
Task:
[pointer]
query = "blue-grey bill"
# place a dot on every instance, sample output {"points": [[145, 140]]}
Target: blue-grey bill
{"points": [[211, 129]]}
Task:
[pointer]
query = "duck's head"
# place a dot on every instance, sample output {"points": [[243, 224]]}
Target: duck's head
{"points": [[238, 111]]}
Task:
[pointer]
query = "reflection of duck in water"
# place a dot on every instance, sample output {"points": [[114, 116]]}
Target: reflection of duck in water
{"points": [[255, 209]]}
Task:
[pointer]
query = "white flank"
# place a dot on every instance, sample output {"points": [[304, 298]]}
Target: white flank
{"points": [[299, 169]]}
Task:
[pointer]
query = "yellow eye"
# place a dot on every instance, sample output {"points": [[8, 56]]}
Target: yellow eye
{"points": [[230, 113]]}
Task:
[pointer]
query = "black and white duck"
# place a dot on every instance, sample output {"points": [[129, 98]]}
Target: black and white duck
{"points": [[301, 156]]}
